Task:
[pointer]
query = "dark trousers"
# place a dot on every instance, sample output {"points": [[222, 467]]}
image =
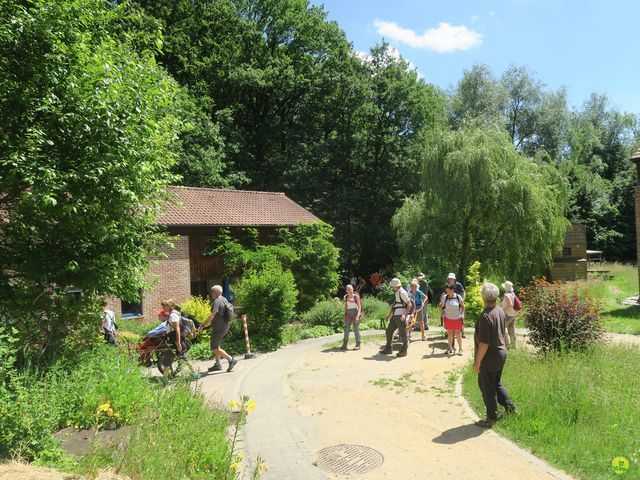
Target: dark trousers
{"points": [[396, 323], [493, 392]]}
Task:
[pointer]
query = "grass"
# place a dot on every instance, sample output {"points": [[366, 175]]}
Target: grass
{"points": [[579, 413]]}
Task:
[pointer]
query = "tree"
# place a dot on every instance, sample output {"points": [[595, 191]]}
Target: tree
{"points": [[86, 136], [524, 93], [481, 200]]}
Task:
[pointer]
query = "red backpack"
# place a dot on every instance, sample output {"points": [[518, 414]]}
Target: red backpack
{"points": [[517, 304]]}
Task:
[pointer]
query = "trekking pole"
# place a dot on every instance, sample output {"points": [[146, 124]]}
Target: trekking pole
{"points": [[246, 337]]}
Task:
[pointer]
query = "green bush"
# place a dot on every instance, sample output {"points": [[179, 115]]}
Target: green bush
{"points": [[473, 303], [375, 310], [198, 307], [559, 320], [268, 297], [201, 351], [299, 331], [329, 313]]}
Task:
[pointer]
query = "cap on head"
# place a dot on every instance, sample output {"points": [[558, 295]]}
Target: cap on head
{"points": [[451, 275], [395, 283], [507, 286]]}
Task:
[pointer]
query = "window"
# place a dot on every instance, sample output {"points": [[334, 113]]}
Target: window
{"points": [[566, 251], [131, 309]]}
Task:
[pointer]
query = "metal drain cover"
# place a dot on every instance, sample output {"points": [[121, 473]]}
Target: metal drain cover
{"points": [[349, 459]]}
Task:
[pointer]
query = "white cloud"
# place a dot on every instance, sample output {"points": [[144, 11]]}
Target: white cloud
{"points": [[475, 18], [492, 13], [393, 52], [443, 38]]}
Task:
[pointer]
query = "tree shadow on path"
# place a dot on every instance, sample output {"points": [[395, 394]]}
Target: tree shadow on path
{"points": [[459, 434]]}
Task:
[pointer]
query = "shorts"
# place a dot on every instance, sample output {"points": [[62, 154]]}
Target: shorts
{"points": [[422, 316], [453, 323], [216, 337]]}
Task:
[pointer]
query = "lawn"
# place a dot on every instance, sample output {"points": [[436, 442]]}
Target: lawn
{"points": [[577, 412]]}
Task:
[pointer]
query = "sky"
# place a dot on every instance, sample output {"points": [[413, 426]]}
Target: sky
{"points": [[587, 46]]}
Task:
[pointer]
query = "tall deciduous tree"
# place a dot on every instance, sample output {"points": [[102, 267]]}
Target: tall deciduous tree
{"points": [[481, 200], [86, 133]]}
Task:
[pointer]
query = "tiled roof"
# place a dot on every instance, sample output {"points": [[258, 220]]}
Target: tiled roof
{"points": [[218, 207], [636, 155]]}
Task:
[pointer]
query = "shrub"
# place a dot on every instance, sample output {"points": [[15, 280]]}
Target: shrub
{"points": [[197, 307], [473, 303], [374, 310], [329, 313], [559, 320], [268, 296]]}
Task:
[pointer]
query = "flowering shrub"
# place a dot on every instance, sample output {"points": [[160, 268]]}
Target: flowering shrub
{"points": [[198, 307], [473, 301], [560, 320]]}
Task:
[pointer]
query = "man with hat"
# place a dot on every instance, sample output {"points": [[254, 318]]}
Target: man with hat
{"points": [[457, 288], [398, 312]]}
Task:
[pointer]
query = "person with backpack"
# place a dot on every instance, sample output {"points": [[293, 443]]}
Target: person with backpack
{"points": [[452, 307], [219, 319], [108, 325], [352, 312], [420, 301], [177, 332], [459, 290], [511, 305], [428, 291], [399, 311]]}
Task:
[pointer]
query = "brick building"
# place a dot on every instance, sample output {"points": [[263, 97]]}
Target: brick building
{"points": [[636, 159], [194, 219], [571, 263]]}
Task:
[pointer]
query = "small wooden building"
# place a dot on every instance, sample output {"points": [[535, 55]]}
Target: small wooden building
{"points": [[571, 263], [195, 219]]}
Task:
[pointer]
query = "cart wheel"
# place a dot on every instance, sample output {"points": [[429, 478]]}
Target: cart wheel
{"points": [[165, 362]]}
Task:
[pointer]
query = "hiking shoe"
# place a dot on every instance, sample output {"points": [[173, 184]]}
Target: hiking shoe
{"points": [[450, 352], [357, 347], [401, 353], [216, 368], [386, 351], [232, 363], [485, 423], [343, 347]]}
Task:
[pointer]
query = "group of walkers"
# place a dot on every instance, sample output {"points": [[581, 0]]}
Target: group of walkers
{"points": [[494, 329], [178, 330]]}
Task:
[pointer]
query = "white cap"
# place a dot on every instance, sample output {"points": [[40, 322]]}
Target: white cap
{"points": [[395, 282], [507, 286], [451, 275]]}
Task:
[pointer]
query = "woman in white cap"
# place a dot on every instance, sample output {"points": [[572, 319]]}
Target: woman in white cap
{"points": [[508, 305], [459, 290]]}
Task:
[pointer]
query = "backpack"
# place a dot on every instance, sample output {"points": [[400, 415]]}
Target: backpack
{"points": [[408, 310], [458, 296], [427, 290], [517, 304], [229, 312]]}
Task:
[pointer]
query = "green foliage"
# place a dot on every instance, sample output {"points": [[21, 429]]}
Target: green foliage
{"points": [[578, 414], [329, 313], [560, 320], [297, 331], [306, 250], [477, 195], [473, 303], [374, 310], [268, 297], [198, 307]]}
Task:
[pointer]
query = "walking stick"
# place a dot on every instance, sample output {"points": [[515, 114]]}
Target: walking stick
{"points": [[246, 337]]}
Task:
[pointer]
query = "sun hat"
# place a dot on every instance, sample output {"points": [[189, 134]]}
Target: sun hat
{"points": [[395, 282], [507, 286], [451, 275]]}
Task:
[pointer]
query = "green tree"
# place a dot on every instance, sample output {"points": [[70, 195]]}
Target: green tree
{"points": [[85, 156], [481, 200]]}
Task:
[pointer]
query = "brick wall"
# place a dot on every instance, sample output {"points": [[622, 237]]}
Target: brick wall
{"points": [[169, 278]]}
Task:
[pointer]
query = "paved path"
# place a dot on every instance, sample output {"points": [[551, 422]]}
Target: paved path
{"points": [[309, 396]]}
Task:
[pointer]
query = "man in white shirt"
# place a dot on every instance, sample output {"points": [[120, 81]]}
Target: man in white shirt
{"points": [[108, 325], [398, 312]]}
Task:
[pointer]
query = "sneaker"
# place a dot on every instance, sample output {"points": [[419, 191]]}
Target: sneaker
{"points": [[462, 334], [386, 351], [232, 363], [343, 347], [216, 368], [357, 347], [450, 352], [460, 352], [401, 353]]}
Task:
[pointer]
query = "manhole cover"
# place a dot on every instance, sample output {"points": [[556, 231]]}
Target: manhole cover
{"points": [[349, 459]]}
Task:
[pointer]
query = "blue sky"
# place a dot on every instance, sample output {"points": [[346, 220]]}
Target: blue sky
{"points": [[586, 46]]}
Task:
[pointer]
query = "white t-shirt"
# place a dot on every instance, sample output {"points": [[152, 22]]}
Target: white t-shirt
{"points": [[351, 302], [109, 321], [401, 297], [452, 307], [173, 322], [507, 304]]}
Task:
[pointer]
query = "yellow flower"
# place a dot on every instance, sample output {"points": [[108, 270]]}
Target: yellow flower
{"points": [[251, 405], [109, 411], [233, 404], [234, 466], [104, 407]]}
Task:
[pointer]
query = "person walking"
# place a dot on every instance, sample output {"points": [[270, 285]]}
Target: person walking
{"points": [[452, 307], [219, 327], [459, 289], [423, 285], [398, 312], [108, 325], [176, 335], [508, 305], [352, 312], [491, 356], [420, 301]]}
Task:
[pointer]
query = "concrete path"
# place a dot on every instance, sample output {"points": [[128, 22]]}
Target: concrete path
{"points": [[309, 396]]}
